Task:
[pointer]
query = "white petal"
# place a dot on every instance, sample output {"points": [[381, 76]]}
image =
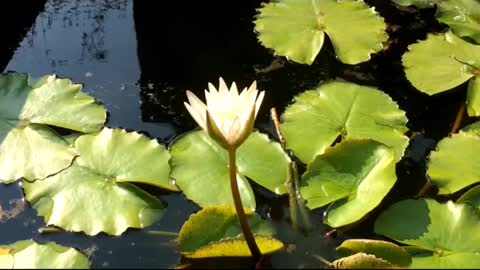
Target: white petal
{"points": [[223, 89], [234, 90], [198, 116], [259, 102], [195, 102]]}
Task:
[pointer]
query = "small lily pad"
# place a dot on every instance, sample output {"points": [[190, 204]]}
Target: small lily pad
{"points": [[200, 168], [362, 261], [30, 255], [384, 250], [455, 164], [26, 108], [95, 194], [317, 117], [355, 176], [442, 62], [354, 28], [215, 232], [442, 235]]}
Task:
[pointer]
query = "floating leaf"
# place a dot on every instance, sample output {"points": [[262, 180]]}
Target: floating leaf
{"points": [[455, 164], [444, 235], [200, 168], [95, 193], [441, 62], [354, 175], [362, 261], [354, 28], [462, 16], [31, 255], [319, 116], [384, 250], [215, 232], [25, 109], [472, 196]]}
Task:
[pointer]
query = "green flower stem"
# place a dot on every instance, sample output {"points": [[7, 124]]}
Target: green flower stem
{"points": [[242, 218]]}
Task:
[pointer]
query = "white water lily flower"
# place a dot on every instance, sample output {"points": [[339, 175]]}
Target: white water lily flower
{"points": [[228, 116]]}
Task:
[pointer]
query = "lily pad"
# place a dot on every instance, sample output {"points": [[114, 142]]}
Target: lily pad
{"points": [[362, 261], [472, 196], [443, 235], [215, 232], [462, 16], [200, 168], [26, 108], [384, 250], [30, 255], [354, 28], [442, 62], [355, 176], [317, 117], [455, 164], [95, 194]]}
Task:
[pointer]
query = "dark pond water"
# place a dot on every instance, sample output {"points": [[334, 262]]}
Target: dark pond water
{"points": [[139, 57]]}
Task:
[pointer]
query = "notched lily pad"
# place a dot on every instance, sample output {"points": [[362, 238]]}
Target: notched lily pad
{"points": [[354, 28], [442, 62], [96, 193], [215, 232], [317, 117], [436, 232], [26, 108], [200, 168], [355, 176], [31, 255], [455, 164]]}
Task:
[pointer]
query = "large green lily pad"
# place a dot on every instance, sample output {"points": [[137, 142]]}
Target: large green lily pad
{"points": [[215, 232], [355, 176], [200, 168], [442, 62], [30, 255], [362, 260], [95, 194], [317, 117], [442, 235], [25, 110], [296, 28], [455, 164]]}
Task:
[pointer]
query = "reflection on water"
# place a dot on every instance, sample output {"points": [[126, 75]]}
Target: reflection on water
{"points": [[138, 58]]}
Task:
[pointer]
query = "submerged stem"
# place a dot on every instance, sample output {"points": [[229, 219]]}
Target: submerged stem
{"points": [[458, 119], [237, 200]]}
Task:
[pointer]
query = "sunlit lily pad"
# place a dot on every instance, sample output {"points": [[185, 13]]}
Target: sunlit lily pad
{"points": [[95, 194], [362, 260], [442, 62], [296, 28], [25, 110], [317, 117], [215, 232], [455, 164], [30, 255], [443, 235], [200, 168], [386, 251], [355, 176]]}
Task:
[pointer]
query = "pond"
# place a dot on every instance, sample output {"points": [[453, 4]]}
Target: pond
{"points": [[139, 57]]}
